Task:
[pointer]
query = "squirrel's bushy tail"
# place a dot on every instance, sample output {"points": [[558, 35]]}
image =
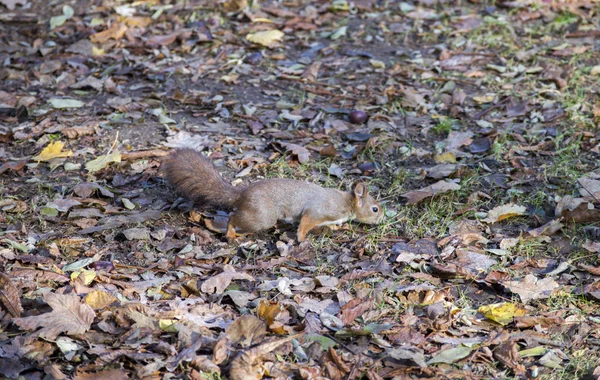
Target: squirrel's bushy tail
{"points": [[195, 177]]}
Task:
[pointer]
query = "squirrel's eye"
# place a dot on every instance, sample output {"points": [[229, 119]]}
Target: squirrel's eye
{"points": [[375, 209]]}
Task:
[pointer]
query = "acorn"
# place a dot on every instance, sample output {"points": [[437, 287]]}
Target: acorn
{"points": [[358, 116]]}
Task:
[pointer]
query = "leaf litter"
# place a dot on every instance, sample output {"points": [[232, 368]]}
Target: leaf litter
{"points": [[480, 142]]}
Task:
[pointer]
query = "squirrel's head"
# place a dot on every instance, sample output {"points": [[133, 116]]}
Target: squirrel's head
{"points": [[366, 208]]}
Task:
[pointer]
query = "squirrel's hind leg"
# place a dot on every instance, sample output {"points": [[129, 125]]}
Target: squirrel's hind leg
{"points": [[230, 235]]}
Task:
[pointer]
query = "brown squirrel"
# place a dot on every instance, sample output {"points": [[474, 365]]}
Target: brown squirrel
{"points": [[261, 204]]}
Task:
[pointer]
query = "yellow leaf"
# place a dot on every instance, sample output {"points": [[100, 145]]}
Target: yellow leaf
{"points": [[88, 276], [102, 161], [266, 37], [445, 158], [484, 99], [167, 325], [98, 299], [262, 19], [502, 313], [504, 212], [97, 51], [52, 151]]}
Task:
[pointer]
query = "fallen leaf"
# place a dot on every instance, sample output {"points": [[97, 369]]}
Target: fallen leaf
{"points": [[246, 331], [56, 21], [60, 103], [85, 190], [98, 299], [500, 213], [576, 210], [101, 162], [51, 151], [115, 32], [68, 315], [503, 313], [547, 229], [12, 4], [248, 365], [220, 282], [439, 187], [111, 374], [299, 151], [266, 37], [532, 288], [445, 158], [275, 315], [10, 296], [451, 355]]}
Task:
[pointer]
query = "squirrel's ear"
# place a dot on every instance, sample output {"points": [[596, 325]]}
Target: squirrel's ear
{"points": [[360, 192]]}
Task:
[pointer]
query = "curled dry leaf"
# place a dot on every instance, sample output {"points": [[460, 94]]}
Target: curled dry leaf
{"points": [[75, 132], [248, 365], [116, 32], [547, 229], [500, 213], [220, 282], [275, 315], [111, 374], [299, 151], [439, 187], [577, 210], [246, 331], [68, 315], [10, 296]]}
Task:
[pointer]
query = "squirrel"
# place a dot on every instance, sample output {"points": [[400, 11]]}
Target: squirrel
{"points": [[260, 205]]}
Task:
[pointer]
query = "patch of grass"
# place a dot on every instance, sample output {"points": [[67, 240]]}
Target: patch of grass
{"points": [[444, 126], [429, 218], [563, 19], [565, 166]]}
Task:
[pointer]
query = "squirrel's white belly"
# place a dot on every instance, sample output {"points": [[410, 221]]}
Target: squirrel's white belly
{"points": [[339, 221]]}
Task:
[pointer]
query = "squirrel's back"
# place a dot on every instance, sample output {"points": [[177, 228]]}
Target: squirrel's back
{"points": [[195, 177]]}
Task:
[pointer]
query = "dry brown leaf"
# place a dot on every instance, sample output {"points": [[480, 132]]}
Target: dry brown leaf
{"points": [[500, 213], [246, 331], [312, 71], [248, 366], [547, 229], [75, 132], [68, 315], [508, 354], [299, 151], [220, 282], [532, 288], [439, 187], [116, 32], [99, 299], [577, 210], [355, 308], [275, 315], [162, 40], [10, 296], [111, 374]]}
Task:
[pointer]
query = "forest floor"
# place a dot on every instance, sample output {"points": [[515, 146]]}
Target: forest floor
{"points": [[481, 143]]}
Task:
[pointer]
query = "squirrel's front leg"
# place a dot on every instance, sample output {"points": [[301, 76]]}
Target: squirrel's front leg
{"points": [[307, 223]]}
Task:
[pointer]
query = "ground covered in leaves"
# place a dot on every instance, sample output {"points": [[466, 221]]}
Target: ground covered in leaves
{"points": [[481, 143]]}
